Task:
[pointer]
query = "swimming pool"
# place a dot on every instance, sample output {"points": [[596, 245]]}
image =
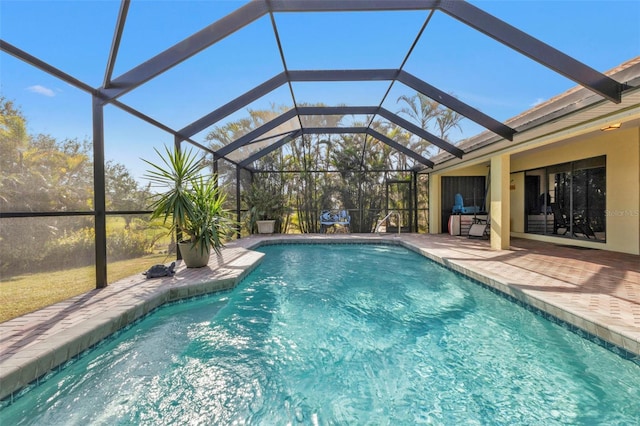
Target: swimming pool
{"points": [[346, 334]]}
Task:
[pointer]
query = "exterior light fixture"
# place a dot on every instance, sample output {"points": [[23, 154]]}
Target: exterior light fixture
{"points": [[614, 126]]}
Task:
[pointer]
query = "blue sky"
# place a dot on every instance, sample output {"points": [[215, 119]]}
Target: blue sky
{"points": [[75, 36]]}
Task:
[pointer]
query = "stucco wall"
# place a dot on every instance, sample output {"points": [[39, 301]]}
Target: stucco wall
{"points": [[622, 148], [517, 202]]}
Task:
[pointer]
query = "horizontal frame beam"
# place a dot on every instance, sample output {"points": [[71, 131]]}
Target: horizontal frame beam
{"points": [[408, 126], [533, 48], [339, 110], [333, 130], [456, 105], [291, 136], [186, 48], [431, 138], [343, 75], [244, 140], [348, 75], [365, 130], [350, 6]]}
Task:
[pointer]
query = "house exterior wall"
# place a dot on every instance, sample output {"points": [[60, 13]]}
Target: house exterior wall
{"points": [[622, 149]]}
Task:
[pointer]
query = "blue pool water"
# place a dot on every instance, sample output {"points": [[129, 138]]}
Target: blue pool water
{"points": [[341, 334]]}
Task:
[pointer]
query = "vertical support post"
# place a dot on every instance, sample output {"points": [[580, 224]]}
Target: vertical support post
{"points": [[435, 213], [99, 191], [500, 202], [360, 206], [215, 169], [238, 205], [414, 178], [177, 143]]}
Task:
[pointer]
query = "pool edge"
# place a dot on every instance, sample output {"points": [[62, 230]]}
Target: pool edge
{"points": [[40, 359], [20, 370]]}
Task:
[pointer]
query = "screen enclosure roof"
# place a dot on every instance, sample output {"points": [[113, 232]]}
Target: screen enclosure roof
{"points": [[329, 66]]}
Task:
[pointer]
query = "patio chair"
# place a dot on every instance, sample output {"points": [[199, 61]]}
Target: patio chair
{"points": [[327, 220], [344, 220], [560, 221], [460, 208], [581, 225], [479, 228]]}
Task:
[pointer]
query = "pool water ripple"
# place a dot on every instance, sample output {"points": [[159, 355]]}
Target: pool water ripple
{"points": [[342, 334]]}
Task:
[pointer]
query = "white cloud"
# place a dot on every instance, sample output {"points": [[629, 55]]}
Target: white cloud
{"points": [[537, 102], [41, 90]]}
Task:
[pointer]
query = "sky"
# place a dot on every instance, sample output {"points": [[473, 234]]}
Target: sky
{"points": [[76, 36]]}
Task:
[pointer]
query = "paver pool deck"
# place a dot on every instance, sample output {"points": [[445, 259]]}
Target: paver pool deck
{"points": [[596, 291]]}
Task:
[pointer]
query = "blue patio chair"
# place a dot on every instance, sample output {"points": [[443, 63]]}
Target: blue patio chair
{"points": [[327, 220], [344, 220]]}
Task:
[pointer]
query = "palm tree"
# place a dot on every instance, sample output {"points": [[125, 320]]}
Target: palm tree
{"points": [[422, 110], [447, 120], [419, 108]]}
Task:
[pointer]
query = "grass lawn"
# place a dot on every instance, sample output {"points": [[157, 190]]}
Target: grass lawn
{"points": [[22, 294]]}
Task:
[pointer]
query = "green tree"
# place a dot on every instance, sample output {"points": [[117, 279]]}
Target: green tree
{"points": [[447, 120], [422, 110], [123, 190], [56, 176], [42, 174], [13, 142], [356, 166], [419, 108]]}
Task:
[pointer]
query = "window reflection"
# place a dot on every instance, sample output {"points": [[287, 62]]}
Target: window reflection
{"points": [[567, 200]]}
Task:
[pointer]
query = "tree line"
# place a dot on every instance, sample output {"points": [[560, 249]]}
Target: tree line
{"points": [[42, 174], [358, 165], [311, 173]]}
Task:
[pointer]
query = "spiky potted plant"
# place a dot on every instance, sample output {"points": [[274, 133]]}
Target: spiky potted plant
{"points": [[191, 203]]}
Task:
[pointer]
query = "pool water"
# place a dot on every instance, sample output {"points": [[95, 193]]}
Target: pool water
{"points": [[341, 334]]}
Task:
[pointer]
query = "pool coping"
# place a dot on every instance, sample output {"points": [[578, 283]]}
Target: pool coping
{"points": [[118, 305], [43, 341]]}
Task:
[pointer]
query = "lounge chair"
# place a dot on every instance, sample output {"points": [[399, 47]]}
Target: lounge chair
{"points": [[581, 225]]}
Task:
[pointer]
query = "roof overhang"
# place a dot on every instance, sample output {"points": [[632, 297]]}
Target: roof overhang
{"points": [[575, 113]]}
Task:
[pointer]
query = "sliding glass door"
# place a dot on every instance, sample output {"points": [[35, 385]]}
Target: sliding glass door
{"points": [[567, 200]]}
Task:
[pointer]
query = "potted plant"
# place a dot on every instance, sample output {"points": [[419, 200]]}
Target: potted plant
{"points": [[266, 209], [192, 202]]}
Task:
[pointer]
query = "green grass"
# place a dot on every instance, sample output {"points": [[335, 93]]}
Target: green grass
{"points": [[26, 293]]}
